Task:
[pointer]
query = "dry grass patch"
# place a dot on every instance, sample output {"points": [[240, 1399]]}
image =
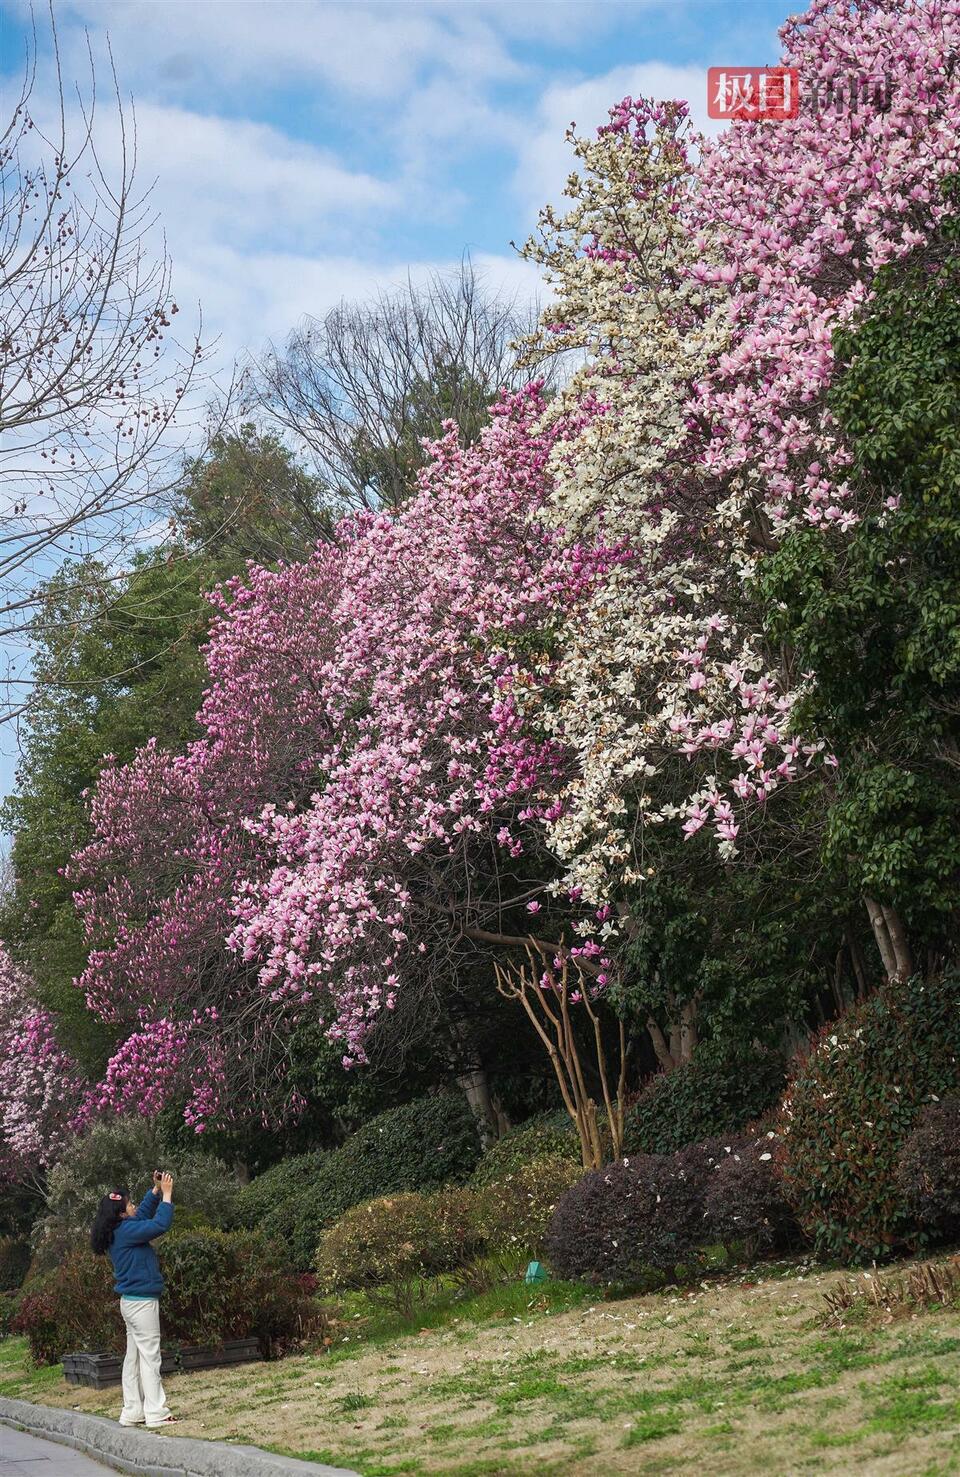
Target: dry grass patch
{"points": [[734, 1378]]}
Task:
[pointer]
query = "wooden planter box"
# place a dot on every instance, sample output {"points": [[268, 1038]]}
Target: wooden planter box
{"points": [[100, 1370]]}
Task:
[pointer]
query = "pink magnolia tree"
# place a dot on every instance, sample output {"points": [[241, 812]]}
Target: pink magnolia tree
{"points": [[704, 284], [353, 821], [41, 1087]]}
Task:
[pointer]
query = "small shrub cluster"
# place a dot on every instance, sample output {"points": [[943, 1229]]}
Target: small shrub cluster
{"points": [[851, 1108], [718, 1092], [513, 1214], [424, 1144], [118, 1151], [398, 1238], [232, 1284], [597, 1229], [549, 1136], [220, 1285], [655, 1212], [928, 1172], [73, 1307]]}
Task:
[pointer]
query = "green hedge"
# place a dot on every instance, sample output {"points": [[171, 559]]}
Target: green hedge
{"points": [[271, 1200], [424, 1144], [550, 1135], [851, 1107], [718, 1092], [396, 1239]]}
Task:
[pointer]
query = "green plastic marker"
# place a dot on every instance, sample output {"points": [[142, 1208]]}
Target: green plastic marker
{"points": [[536, 1272]]}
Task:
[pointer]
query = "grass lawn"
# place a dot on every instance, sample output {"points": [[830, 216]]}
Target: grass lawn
{"points": [[738, 1376]]}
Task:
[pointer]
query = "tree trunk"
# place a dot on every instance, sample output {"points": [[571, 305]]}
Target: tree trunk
{"points": [[660, 1046], [856, 959], [889, 932], [492, 1121], [689, 1034]]}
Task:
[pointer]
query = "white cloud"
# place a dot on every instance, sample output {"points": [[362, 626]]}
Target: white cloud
{"points": [[241, 180], [252, 297], [367, 50], [546, 159]]}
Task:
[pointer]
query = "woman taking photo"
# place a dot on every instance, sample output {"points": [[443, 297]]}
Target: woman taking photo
{"points": [[125, 1231]]}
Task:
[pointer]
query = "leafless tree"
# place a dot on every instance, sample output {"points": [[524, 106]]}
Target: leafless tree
{"points": [[360, 387], [91, 379]]}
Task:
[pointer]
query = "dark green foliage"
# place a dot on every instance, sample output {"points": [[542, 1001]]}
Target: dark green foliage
{"points": [[430, 1142], [14, 1261], [751, 945], [928, 1173], [875, 613], [272, 1200], [717, 1092], [125, 1151], [744, 1202], [247, 499], [548, 1135], [852, 1106]]}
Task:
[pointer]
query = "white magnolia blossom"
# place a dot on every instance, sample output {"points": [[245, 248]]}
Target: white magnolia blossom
{"points": [[654, 667]]}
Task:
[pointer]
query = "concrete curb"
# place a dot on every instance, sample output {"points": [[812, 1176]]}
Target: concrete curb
{"points": [[149, 1455]]}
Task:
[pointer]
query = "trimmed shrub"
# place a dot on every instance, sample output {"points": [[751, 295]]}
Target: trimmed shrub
{"points": [[645, 1213], [549, 1136], [14, 1262], [424, 1144], [597, 1227], [127, 1150], [220, 1285], [398, 1238], [677, 1227], [744, 1201], [928, 1171], [514, 1213], [852, 1106], [716, 1093], [269, 1202]]}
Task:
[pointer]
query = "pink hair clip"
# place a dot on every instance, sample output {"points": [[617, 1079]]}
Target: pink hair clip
{"points": [[115, 1197]]}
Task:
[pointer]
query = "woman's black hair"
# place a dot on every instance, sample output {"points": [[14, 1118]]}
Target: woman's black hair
{"points": [[109, 1215]]}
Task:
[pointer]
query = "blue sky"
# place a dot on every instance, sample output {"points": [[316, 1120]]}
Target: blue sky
{"points": [[306, 151]]}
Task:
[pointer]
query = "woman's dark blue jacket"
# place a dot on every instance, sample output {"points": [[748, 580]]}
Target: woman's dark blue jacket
{"points": [[135, 1266]]}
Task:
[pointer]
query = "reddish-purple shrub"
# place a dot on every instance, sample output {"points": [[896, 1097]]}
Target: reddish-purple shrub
{"points": [[928, 1172], [744, 1200]]}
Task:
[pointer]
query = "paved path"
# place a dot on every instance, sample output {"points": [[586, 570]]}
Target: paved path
{"points": [[26, 1456]]}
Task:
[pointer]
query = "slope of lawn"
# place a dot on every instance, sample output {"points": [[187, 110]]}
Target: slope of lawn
{"points": [[740, 1376]]}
